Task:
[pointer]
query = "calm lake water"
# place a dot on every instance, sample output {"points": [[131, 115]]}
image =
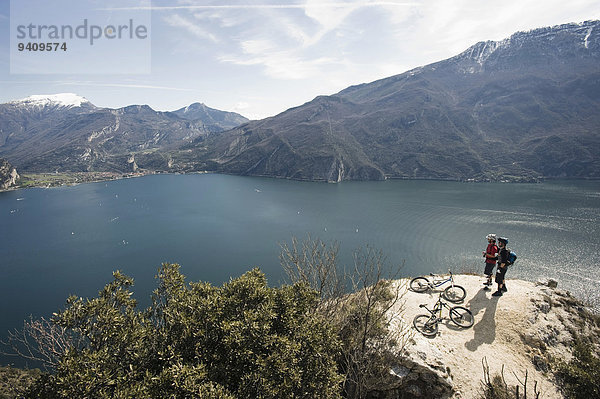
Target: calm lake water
{"points": [[62, 241]]}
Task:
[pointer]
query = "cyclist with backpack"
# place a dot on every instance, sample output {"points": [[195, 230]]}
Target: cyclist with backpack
{"points": [[491, 255], [503, 262]]}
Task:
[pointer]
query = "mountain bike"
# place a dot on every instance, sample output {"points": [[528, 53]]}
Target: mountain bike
{"points": [[428, 324], [454, 293]]}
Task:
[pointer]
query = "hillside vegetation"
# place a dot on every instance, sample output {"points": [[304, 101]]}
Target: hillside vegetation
{"points": [[327, 334]]}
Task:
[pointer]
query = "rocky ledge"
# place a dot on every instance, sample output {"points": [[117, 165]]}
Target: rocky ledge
{"points": [[521, 331]]}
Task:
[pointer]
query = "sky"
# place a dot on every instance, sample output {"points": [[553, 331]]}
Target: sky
{"points": [[254, 57]]}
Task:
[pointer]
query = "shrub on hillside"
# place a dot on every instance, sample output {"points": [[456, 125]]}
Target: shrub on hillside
{"points": [[243, 339], [580, 378], [12, 380]]}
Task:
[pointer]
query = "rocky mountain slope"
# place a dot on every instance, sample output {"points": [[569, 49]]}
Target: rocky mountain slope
{"points": [[8, 175], [213, 117], [521, 331], [526, 107], [66, 132]]}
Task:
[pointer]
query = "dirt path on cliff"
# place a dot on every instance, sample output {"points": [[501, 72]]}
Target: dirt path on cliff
{"points": [[495, 336]]}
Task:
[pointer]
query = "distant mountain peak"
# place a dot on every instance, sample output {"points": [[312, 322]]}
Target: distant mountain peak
{"points": [[586, 31], [576, 39], [195, 105], [223, 119], [69, 100]]}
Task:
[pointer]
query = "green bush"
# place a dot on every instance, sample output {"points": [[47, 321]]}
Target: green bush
{"points": [[243, 339], [13, 380], [580, 378]]}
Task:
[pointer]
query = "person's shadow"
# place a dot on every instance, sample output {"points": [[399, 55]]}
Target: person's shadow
{"points": [[485, 329]]}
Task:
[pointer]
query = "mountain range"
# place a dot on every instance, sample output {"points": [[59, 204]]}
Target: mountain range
{"points": [[66, 132], [523, 108]]}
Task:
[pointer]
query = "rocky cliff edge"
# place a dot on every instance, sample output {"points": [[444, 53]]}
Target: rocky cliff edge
{"points": [[521, 331]]}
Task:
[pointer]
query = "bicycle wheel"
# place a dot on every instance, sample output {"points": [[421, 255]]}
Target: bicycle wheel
{"points": [[419, 284], [426, 325], [455, 293], [462, 317]]}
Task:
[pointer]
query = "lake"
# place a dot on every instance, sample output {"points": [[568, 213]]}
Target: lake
{"points": [[68, 240]]}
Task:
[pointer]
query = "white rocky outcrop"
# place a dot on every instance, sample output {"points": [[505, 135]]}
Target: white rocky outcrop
{"points": [[8, 175], [131, 161]]}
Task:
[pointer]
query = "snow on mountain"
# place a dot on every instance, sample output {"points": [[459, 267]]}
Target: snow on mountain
{"points": [[62, 99], [553, 38]]}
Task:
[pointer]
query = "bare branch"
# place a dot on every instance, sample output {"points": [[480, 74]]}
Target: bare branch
{"points": [[367, 318], [41, 341]]}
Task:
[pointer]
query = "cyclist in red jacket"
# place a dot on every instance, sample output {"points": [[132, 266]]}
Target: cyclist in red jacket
{"points": [[490, 255]]}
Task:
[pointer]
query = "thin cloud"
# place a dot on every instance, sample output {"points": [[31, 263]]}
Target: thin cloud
{"points": [[285, 64], [180, 22], [292, 45], [126, 85], [307, 45], [264, 6]]}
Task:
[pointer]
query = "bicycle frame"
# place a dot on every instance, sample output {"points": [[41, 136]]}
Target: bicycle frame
{"points": [[437, 280], [437, 308]]}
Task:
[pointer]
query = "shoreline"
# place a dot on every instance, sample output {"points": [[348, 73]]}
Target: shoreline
{"points": [[53, 180], [61, 179]]}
